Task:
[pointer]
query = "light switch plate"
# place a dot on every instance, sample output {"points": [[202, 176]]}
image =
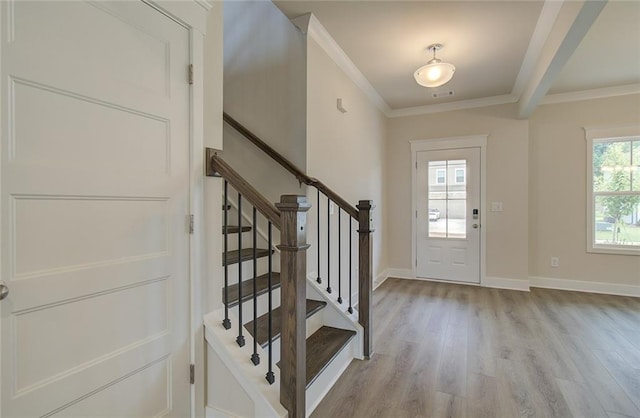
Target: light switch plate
{"points": [[496, 206]]}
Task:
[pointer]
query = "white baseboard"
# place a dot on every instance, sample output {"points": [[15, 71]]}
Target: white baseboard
{"points": [[399, 273], [380, 278], [497, 282], [582, 286], [525, 285], [505, 283]]}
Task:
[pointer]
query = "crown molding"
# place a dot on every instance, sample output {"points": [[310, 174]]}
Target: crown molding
{"points": [[450, 106], [310, 25], [205, 4], [600, 93]]}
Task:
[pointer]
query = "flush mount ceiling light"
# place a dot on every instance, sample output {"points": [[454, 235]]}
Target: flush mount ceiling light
{"points": [[435, 73]]}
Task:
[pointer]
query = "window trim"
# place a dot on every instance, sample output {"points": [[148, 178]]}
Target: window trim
{"points": [[444, 177], [594, 135]]}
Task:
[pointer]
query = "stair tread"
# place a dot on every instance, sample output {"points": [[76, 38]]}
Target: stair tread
{"points": [[245, 254], [262, 286], [313, 306], [234, 229], [322, 347]]}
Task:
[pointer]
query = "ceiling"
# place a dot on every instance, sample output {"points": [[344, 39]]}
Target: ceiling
{"points": [[495, 46]]}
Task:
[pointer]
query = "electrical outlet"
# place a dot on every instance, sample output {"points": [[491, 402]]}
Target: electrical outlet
{"points": [[555, 262]]}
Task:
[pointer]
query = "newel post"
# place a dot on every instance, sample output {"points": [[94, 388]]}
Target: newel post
{"points": [[293, 291], [365, 269]]}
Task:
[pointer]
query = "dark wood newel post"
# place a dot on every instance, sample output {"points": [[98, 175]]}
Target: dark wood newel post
{"points": [[365, 270], [293, 247]]}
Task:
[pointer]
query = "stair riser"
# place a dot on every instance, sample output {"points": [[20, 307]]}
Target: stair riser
{"points": [[247, 268], [314, 323], [263, 306], [247, 241]]}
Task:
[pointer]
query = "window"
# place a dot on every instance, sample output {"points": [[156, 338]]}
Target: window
{"points": [[441, 176], [614, 191], [460, 172]]}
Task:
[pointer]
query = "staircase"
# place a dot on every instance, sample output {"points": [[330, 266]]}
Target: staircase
{"points": [[276, 321], [324, 343]]}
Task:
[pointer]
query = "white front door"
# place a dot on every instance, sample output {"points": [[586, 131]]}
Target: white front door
{"points": [[94, 202], [448, 214]]}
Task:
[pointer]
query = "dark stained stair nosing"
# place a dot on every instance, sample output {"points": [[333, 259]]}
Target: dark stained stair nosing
{"points": [[313, 306], [245, 254], [262, 286], [234, 229], [322, 347]]}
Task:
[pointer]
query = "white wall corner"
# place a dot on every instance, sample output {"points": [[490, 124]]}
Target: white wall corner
{"points": [[506, 283], [583, 286], [399, 273], [302, 22], [310, 25], [380, 278]]}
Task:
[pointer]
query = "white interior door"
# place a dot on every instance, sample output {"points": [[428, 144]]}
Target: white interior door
{"points": [[94, 202], [448, 214]]}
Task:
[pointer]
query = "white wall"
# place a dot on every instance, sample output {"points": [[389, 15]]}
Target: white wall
{"points": [[346, 152], [265, 90], [213, 92], [558, 191], [537, 168], [507, 182]]}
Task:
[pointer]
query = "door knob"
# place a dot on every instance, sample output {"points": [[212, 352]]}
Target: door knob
{"points": [[4, 291], [475, 226]]}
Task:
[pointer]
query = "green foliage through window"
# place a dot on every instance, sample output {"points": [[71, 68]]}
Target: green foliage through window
{"points": [[616, 188]]}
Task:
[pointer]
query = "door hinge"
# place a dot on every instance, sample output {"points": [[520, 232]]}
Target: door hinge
{"points": [[190, 73], [416, 165], [192, 373], [191, 224]]}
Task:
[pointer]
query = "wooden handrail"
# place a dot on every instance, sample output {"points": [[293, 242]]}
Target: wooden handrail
{"points": [[219, 166], [291, 167]]}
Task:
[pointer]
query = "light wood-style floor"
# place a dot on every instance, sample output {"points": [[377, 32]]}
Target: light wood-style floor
{"points": [[447, 350]]}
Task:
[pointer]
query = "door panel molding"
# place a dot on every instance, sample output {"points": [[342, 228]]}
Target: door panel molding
{"points": [[449, 143], [85, 287]]}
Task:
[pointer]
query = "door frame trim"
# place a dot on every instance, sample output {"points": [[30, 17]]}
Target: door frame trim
{"points": [[439, 144], [192, 15]]}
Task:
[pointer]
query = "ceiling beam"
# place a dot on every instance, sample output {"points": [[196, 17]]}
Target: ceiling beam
{"points": [[572, 24]]}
